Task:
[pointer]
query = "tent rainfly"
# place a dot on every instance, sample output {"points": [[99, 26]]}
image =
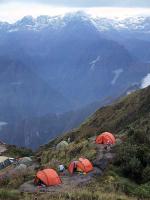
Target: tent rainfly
{"points": [[49, 177], [82, 165], [105, 138]]}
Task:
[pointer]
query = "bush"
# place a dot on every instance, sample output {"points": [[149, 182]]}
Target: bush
{"points": [[146, 174], [53, 157], [7, 195], [15, 179], [143, 191], [14, 151], [133, 157]]}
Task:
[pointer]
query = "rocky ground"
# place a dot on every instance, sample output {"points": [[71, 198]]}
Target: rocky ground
{"points": [[104, 157]]}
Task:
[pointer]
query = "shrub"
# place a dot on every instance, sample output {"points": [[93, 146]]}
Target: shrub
{"points": [[14, 151], [133, 157], [143, 191], [9, 194], [146, 174]]}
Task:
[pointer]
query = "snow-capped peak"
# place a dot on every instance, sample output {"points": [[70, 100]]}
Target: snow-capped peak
{"points": [[27, 20], [57, 22]]}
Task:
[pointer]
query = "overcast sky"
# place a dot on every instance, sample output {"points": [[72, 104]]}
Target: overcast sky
{"points": [[88, 3], [11, 10]]}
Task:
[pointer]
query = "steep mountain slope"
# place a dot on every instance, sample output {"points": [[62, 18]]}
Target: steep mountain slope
{"points": [[22, 92], [128, 118], [53, 65], [73, 56], [131, 111], [131, 32], [36, 131]]}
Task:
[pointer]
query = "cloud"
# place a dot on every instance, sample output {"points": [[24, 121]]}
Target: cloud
{"points": [[86, 3], [11, 11], [146, 81]]}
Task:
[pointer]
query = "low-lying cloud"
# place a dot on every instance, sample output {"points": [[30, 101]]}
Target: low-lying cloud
{"points": [[146, 81]]}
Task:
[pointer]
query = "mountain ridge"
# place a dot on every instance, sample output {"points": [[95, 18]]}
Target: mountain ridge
{"points": [[63, 69], [133, 23], [116, 118]]}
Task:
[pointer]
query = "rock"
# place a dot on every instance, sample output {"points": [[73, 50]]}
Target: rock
{"points": [[101, 164]]}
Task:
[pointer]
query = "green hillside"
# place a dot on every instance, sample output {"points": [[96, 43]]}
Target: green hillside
{"points": [[130, 111], [127, 118], [126, 177]]}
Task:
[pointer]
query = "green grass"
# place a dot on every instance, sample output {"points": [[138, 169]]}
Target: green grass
{"points": [[14, 180], [130, 174], [85, 193], [9, 194], [52, 157], [13, 151]]}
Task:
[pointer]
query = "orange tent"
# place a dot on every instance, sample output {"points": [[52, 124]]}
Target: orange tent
{"points": [[48, 176], [83, 165], [105, 138]]}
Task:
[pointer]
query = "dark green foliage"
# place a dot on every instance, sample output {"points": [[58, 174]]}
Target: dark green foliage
{"points": [[133, 157], [13, 151], [9, 195], [143, 191], [146, 174]]}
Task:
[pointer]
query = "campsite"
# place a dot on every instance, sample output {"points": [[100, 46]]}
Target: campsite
{"points": [[74, 99], [77, 173], [75, 164]]}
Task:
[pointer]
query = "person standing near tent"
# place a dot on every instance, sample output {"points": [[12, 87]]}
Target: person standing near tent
{"points": [[61, 168], [69, 140]]}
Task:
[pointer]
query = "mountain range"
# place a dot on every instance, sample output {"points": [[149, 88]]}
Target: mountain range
{"points": [[52, 66]]}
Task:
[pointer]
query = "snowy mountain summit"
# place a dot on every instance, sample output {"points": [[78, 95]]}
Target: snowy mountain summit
{"points": [[57, 22]]}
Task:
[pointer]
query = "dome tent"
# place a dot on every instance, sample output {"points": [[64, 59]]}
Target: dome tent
{"points": [[49, 177], [62, 145], [82, 165], [26, 161], [105, 138]]}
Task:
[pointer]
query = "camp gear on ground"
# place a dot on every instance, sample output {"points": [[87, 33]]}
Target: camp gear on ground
{"points": [[62, 145], [82, 165], [105, 138], [61, 168], [69, 140], [12, 160], [4, 162], [48, 177]]}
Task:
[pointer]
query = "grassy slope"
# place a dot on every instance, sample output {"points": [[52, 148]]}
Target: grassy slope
{"points": [[116, 118], [132, 111], [14, 151]]}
